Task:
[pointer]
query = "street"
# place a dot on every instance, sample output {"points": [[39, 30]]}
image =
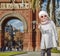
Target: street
{"points": [[37, 54]]}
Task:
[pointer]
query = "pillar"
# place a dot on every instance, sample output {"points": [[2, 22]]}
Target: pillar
{"points": [[38, 35], [30, 48]]}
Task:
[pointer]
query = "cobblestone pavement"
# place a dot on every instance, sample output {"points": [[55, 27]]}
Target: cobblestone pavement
{"points": [[37, 54]]}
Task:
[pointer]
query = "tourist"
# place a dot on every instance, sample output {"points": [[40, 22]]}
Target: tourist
{"points": [[49, 34]]}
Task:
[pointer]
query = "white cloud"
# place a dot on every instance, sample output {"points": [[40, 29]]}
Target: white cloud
{"points": [[17, 24]]}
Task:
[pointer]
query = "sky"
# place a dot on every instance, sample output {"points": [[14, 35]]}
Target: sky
{"points": [[45, 3], [17, 24]]}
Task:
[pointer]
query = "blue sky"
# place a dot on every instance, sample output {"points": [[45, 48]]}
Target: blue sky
{"points": [[45, 3], [17, 24]]}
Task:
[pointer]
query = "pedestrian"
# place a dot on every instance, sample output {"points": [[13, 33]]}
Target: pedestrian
{"points": [[49, 34]]}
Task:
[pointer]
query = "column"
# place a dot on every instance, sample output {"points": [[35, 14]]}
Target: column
{"points": [[38, 35], [30, 48]]}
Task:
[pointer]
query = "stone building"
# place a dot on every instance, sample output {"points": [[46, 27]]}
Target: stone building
{"points": [[21, 10]]}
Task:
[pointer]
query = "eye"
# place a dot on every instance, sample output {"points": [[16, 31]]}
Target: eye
{"points": [[45, 15], [41, 16]]}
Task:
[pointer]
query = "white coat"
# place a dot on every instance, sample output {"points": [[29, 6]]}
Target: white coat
{"points": [[49, 35]]}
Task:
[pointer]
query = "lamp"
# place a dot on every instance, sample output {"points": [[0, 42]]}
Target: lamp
{"points": [[34, 24]]}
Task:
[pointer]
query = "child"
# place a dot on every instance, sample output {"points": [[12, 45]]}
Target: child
{"points": [[49, 35]]}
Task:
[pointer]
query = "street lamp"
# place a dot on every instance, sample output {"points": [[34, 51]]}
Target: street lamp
{"points": [[34, 24]]}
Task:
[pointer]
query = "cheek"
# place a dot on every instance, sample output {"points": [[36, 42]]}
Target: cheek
{"points": [[46, 18], [41, 19]]}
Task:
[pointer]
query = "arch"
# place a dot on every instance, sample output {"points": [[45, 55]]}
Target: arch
{"points": [[17, 15]]}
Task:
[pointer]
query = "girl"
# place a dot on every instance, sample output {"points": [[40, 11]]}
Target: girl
{"points": [[49, 35]]}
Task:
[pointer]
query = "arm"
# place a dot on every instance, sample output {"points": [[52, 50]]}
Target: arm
{"points": [[55, 30]]}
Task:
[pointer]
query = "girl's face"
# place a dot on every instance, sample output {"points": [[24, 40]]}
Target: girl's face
{"points": [[43, 18]]}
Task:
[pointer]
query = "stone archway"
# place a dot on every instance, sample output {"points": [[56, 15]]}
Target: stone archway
{"points": [[5, 19], [17, 15]]}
